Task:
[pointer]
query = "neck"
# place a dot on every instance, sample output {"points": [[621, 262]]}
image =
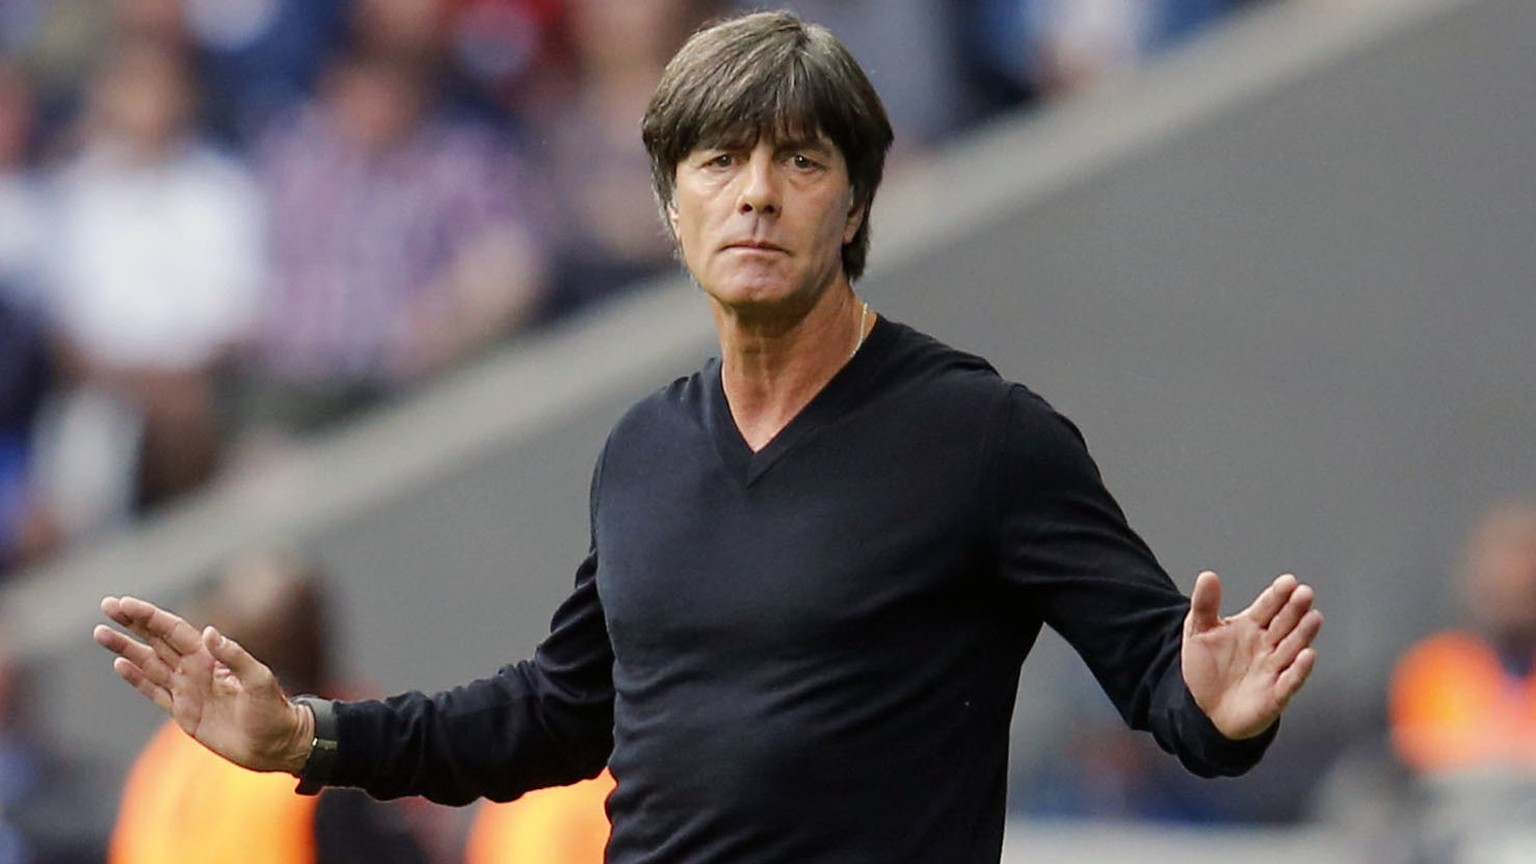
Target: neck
{"points": [[773, 366]]}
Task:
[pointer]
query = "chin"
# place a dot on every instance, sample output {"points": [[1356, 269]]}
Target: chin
{"points": [[752, 292]]}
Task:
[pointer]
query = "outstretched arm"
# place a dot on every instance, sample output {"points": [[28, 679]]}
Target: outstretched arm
{"points": [[1243, 670], [213, 688]]}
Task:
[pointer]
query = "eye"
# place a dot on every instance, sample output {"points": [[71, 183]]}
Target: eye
{"points": [[803, 162], [719, 160]]}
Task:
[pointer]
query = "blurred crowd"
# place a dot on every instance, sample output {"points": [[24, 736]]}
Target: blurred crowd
{"points": [[227, 225]]}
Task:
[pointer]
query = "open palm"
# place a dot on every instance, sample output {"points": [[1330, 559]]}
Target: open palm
{"points": [[1243, 670]]}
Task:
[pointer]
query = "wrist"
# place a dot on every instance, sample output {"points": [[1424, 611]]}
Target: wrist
{"points": [[318, 750], [301, 743]]}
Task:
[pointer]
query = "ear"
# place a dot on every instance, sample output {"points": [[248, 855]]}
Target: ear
{"points": [[672, 217], [856, 212]]}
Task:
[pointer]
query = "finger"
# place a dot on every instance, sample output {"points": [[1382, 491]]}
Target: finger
{"points": [[241, 662], [154, 622], [134, 651], [169, 635], [128, 617], [1204, 604], [110, 639], [126, 670], [1271, 600], [1290, 681], [1300, 638], [1295, 608], [123, 610]]}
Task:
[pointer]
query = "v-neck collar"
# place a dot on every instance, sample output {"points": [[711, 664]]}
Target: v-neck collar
{"points": [[834, 398]]}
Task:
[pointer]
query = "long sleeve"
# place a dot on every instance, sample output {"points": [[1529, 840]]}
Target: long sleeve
{"points": [[543, 722], [1065, 543]]}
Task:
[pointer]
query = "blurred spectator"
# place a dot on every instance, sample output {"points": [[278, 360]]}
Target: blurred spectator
{"points": [[57, 42], [156, 258], [558, 825], [26, 532], [253, 57], [1462, 704], [401, 243], [49, 805], [517, 51], [1021, 50], [408, 32], [25, 367], [1465, 699], [21, 205], [418, 36], [183, 803], [62, 45], [257, 58], [609, 234], [160, 22]]}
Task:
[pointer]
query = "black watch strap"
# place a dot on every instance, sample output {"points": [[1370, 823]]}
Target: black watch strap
{"points": [[322, 753]]}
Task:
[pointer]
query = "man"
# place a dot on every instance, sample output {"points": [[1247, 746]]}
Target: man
{"points": [[816, 565]]}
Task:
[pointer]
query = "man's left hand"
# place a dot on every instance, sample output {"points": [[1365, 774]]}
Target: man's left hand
{"points": [[1243, 670]]}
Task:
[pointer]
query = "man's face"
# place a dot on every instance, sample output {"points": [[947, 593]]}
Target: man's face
{"points": [[763, 224]]}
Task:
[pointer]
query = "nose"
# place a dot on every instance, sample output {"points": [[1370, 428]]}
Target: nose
{"points": [[759, 184]]}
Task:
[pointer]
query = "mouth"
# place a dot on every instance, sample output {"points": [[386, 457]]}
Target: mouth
{"points": [[755, 246]]}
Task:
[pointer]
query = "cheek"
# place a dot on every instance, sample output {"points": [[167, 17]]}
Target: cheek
{"points": [[686, 232]]}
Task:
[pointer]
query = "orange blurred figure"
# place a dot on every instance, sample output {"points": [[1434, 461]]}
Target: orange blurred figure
{"points": [[560, 825], [1465, 700]]}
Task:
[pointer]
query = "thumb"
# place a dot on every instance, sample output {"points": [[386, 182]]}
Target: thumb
{"points": [[228, 651], [1204, 604]]}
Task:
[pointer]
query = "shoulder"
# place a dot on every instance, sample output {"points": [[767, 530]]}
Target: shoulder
{"points": [[682, 400], [920, 360], [669, 421], [930, 376], [911, 353]]}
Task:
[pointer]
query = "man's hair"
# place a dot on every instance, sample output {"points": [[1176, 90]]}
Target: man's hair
{"points": [[771, 75]]}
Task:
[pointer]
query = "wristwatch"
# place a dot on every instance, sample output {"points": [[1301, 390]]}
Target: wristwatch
{"points": [[322, 752]]}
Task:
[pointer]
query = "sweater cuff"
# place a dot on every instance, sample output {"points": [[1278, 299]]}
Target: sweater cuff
{"points": [[353, 743], [1225, 756]]}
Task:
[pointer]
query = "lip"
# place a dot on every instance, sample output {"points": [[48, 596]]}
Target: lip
{"points": [[755, 246]]}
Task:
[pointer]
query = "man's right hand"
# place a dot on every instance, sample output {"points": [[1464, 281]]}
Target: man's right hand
{"points": [[213, 688]]}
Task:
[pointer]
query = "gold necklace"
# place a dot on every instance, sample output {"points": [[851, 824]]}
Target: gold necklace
{"points": [[863, 334]]}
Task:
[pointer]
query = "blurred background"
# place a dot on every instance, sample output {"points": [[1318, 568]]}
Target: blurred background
{"points": [[367, 281]]}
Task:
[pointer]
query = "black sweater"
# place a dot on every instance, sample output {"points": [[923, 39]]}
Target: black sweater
{"points": [[811, 653]]}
